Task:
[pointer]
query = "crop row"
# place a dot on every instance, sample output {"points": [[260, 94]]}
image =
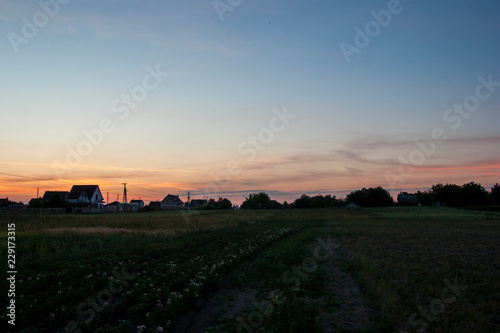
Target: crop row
{"points": [[144, 290]]}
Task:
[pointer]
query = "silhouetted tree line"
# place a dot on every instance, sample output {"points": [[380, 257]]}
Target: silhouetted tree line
{"points": [[260, 201], [372, 197], [221, 203], [317, 201], [263, 201], [471, 194]]}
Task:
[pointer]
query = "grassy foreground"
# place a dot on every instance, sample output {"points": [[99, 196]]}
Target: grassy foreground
{"points": [[421, 269]]}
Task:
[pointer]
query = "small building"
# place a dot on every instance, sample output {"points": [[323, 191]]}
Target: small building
{"points": [[85, 199], [139, 203], [33, 203], [197, 202], [119, 207], [128, 207], [54, 198], [112, 207], [6, 202], [155, 204], [407, 199], [172, 202], [10, 206]]}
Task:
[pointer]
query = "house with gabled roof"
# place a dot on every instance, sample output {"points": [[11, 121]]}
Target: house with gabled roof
{"points": [[85, 199], [172, 202]]}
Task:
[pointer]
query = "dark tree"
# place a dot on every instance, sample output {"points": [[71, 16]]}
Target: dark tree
{"points": [[473, 195], [224, 203], [221, 203], [303, 202], [320, 201], [371, 197], [273, 204], [495, 194], [256, 201], [426, 198], [332, 200], [449, 194]]}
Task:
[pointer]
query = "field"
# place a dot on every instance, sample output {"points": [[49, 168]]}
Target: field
{"points": [[398, 269]]}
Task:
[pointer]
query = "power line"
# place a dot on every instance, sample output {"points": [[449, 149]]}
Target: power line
{"points": [[147, 189], [12, 175]]}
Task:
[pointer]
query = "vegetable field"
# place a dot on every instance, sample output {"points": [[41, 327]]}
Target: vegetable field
{"points": [[413, 269]]}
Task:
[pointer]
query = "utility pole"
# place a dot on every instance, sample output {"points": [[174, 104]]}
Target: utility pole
{"points": [[107, 198], [37, 192], [124, 193]]}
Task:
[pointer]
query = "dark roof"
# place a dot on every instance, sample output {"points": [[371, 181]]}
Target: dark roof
{"points": [[51, 195], [198, 202], [136, 201], [408, 198], [77, 190], [173, 198]]}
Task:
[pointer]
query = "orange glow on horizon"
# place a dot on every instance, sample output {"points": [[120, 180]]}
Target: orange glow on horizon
{"points": [[292, 181]]}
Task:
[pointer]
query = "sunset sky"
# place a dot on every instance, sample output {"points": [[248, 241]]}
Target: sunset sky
{"points": [[314, 97]]}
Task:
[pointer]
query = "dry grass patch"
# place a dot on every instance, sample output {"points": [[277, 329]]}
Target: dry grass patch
{"points": [[91, 230]]}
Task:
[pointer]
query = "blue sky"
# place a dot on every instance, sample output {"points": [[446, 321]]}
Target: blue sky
{"points": [[353, 120]]}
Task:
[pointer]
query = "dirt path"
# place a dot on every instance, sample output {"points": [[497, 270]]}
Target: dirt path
{"points": [[218, 310], [340, 305]]}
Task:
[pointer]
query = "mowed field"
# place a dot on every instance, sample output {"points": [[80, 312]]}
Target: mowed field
{"points": [[397, 269]]}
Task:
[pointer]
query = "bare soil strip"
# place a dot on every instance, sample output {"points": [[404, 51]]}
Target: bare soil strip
{"points": [[341, 306]]}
